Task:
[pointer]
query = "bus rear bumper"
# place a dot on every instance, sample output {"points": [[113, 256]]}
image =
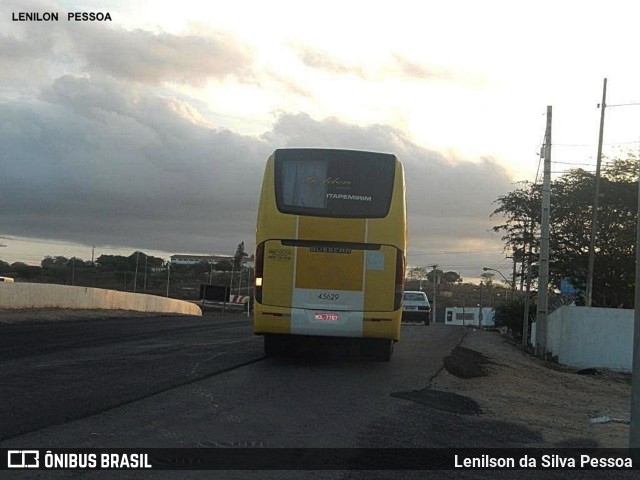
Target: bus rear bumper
{"points": [[307, 322]]}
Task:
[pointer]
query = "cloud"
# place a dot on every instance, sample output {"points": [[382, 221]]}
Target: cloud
{"points": [[287, 84], [95, 160], [394, 66], [31, 51], [449, 200], [153, 58], [26, 48], [318, 59], [407, 68]]}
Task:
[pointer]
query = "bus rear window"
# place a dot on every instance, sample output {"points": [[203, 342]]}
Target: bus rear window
{"points": [[334, 183]]}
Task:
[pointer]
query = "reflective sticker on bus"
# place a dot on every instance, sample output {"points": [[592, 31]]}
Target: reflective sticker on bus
{"points": [[375, 261]]}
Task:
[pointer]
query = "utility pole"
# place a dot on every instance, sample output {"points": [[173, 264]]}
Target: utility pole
{"points": [[168, 276], [233, 268], [93, 251], [135, 277], [146, 259], [634, 430], [543, 278], [480, 309], [527, 298], [464, 303], [435, 291], [596, 201], [513, 278]]}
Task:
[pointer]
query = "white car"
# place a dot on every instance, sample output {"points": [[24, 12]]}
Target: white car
{"points": [[415, 307]]}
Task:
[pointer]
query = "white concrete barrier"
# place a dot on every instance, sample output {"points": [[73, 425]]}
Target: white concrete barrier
{"points": [[591, 337], [239, 299], [42, 295]]}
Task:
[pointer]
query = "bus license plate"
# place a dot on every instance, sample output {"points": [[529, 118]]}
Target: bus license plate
{"points": [[327, 316]]}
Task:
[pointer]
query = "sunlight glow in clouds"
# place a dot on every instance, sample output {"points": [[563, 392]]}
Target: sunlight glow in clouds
{"points": [[159, 122]]}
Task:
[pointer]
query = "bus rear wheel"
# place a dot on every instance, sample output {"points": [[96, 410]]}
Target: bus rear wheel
{"points": [[275, 345], [377, 348]]}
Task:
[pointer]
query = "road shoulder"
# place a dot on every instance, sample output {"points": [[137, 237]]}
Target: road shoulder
{"points": [[554, 401]]}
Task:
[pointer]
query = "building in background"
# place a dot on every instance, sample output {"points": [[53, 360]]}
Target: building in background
{"points": [[187, 259], [470, 316]]}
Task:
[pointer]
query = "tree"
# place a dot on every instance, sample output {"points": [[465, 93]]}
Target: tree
{"points": [[614, 278], [417, 273], [141, 259], [4, 266], [113, 262], [511, 316], [25, 271], [224, 266], [437, 272], [58, 263], [571, 212], [522, 212], [451, 277], [237, 258], [487, 277], [75, 262]]}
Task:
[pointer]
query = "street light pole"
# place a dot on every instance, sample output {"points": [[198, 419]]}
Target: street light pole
{"points": [[168, 275], [146, 260], [135, 277], [511, 285]]}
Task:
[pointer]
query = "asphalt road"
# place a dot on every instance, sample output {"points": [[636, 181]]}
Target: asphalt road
{"points": [[51, 373], [204, 382], [54, 373]]}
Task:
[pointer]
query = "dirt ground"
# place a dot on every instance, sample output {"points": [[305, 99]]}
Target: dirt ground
{"points": [[555, 401]]}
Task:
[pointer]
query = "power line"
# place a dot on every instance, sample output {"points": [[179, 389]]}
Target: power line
{"points": [[630, 142], [572, 163], [452, 253], [620, 104], [541, 144], [591, 145], [571, 145]]}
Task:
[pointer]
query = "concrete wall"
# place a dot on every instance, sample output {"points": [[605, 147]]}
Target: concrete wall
{"points": [[584, 337], [37, 295]]}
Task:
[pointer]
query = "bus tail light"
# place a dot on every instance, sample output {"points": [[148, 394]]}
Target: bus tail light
{"points": [[259, 267], [397, 300]]}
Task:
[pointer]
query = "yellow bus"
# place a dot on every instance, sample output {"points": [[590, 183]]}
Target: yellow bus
{"points": [[330, 249]]}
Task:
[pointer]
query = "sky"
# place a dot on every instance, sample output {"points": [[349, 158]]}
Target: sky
{"points": [[150, 131]]}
